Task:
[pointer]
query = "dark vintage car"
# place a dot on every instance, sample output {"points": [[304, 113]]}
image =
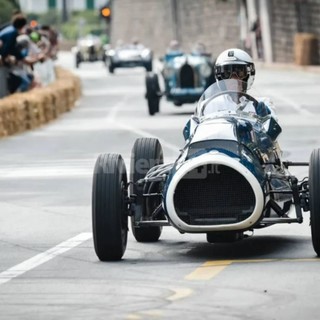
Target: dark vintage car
{"points": [[185, 78], [228, 180], [89, 49], [129, 56]]}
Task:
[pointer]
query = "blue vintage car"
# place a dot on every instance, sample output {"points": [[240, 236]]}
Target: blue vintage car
{"points": [[185, 76]]}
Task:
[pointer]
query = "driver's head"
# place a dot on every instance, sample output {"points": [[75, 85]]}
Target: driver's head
{"points": [[235, 64]]}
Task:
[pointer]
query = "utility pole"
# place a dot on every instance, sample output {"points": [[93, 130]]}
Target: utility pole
{"points": [[266, 30], [175, 20], [64, 11]]}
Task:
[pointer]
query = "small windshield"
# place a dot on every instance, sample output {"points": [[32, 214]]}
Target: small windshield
{"points": [[225, 97]]}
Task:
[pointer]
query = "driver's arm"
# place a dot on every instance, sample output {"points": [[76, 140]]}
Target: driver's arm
{"points": [[262, 109]]}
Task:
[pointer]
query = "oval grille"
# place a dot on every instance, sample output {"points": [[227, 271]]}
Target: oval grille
{"points": [[186, 77], [213, 195]]}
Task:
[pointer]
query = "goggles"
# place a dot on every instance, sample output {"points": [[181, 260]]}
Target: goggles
{"points": [[227, 71]]}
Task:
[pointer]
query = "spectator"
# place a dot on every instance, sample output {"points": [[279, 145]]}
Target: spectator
{"points": [[9, 35], [174, 48], [8, 50], [199, 49]]}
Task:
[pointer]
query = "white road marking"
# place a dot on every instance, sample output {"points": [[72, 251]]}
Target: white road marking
{"points": [[146, 133], [43, 257], [46, 168], [114, 110]]}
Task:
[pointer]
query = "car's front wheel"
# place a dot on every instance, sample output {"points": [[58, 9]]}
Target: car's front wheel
{"points": [[314, 200], [148, 66], [153, 93], [111, 67], [109, 207]]}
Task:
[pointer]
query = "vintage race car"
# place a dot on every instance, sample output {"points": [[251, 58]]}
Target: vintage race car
{"points": [[89, 49], [228, 179], [129, 56], [185, 78]]}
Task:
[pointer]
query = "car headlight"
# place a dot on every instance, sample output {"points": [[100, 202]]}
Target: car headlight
{"points": [[145, 53], [111, 53], [205, 70], [168, 72]]}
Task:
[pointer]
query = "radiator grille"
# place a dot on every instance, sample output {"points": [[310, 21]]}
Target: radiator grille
{"points": [[186, 77], [213, 195]]}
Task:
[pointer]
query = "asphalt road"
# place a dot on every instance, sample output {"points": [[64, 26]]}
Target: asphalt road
{"points": [[48, 267]]}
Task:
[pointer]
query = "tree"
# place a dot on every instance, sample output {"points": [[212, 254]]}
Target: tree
{"points": [[7, 9]]}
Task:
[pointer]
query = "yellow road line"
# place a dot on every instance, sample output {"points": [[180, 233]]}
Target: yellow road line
{"points": [[212, 268], [152, 313], [180, 293], [208, 270]]}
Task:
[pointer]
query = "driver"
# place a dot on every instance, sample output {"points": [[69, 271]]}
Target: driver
{"points": [[236, 64]]}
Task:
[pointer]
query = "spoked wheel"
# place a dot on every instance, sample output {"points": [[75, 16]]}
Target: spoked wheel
{"points": [[146, 153], [109, 207], [314, 199], [153, 93]]}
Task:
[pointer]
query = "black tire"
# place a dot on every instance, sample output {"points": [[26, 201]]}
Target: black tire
{"points": [[111, 68], [148, 66], [314, 200], [78, 61], [153, 93], [109, 209], [148, 151]]}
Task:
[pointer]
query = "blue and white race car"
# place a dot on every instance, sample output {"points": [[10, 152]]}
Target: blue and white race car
{"points": [[228, 179], [185, 78]]}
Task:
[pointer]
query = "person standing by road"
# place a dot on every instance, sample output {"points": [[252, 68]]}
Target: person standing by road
{"points": [[8, 48]]}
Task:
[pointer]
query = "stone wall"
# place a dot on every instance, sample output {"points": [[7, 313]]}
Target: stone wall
{"points": [[213, 22], [148, 20], [216, 23], [289, 18]]}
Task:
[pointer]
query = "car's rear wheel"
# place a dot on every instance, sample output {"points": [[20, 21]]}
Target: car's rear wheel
{"points": [[109, 207], [314, 200], [153, 93], [146, 153]]}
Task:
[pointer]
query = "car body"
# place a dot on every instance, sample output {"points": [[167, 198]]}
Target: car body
{"points": [[229, 179], [129, 56], [185, 78], [89, 49]]}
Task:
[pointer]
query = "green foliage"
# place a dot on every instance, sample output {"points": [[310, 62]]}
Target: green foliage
{"points": [[52, 18], [72, 31], [7, 8], [80, 23]]}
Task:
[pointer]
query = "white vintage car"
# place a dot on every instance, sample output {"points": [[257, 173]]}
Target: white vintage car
{"points": [[129, 56], [89, 49]]}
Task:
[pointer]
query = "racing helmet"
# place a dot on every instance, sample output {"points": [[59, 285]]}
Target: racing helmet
{"points": [[235, 62]]}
